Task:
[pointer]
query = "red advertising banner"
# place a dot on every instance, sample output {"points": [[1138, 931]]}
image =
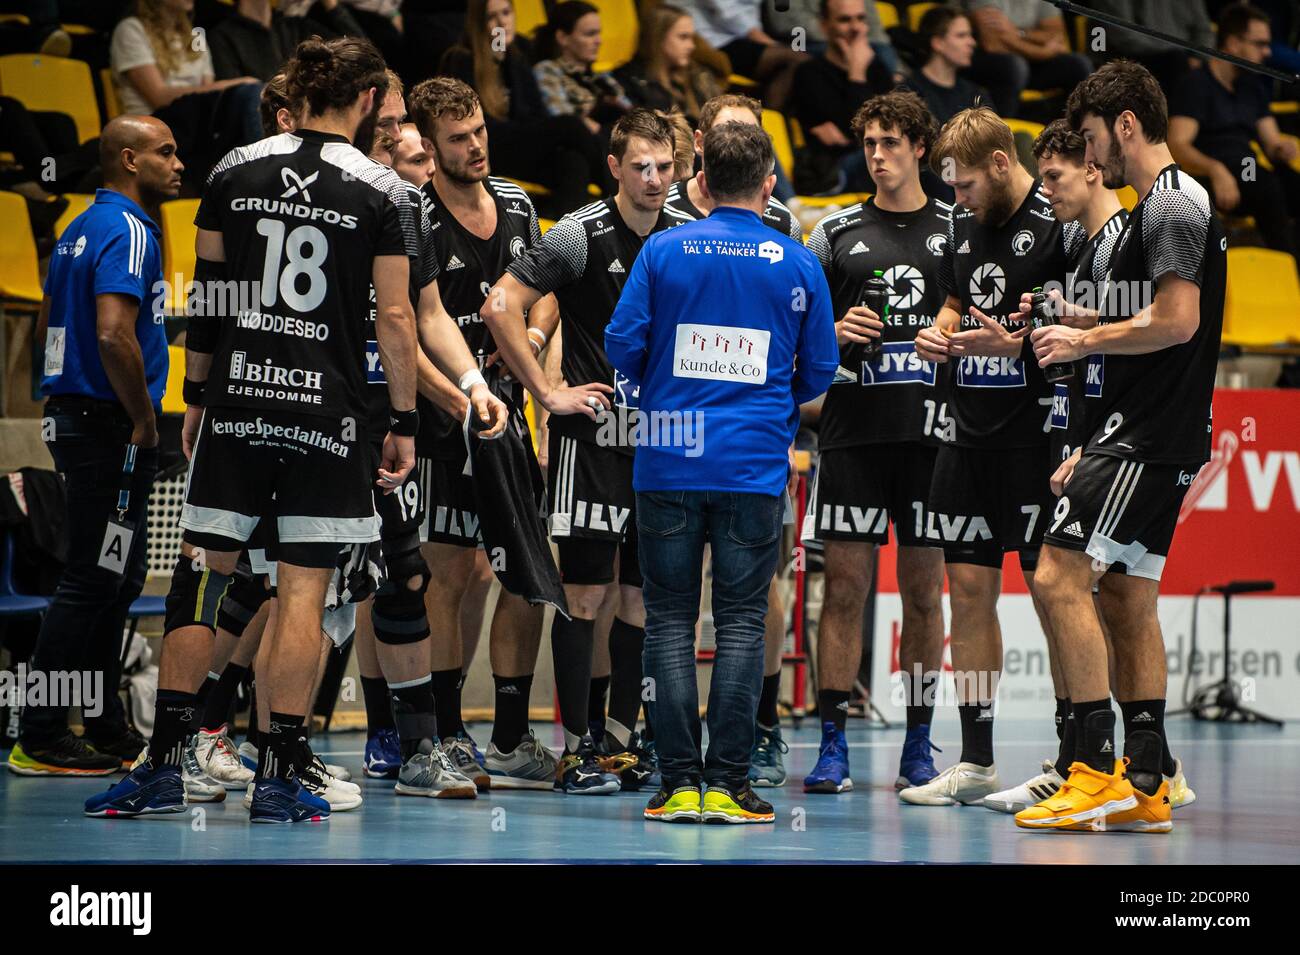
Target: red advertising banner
{"points": [[1241, 517]]}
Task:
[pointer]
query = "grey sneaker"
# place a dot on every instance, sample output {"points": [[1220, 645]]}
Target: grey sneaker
{"points": [[766, 767], [460, 752], [529, 766], [430, 773], [199, 786]]}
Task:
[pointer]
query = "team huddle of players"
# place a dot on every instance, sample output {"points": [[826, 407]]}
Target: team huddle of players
{"points": [[941, 422]]}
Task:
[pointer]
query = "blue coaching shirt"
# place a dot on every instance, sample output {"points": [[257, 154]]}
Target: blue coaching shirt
{"points": [[111, 247], [727, 327]]}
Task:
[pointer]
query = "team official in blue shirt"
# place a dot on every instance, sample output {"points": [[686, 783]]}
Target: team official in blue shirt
{"points": [[726, 326], [104, 376]]}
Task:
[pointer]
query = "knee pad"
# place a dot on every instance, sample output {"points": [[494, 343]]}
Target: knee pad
{"points": [[244, 597], [194, 597], [398, 613]]}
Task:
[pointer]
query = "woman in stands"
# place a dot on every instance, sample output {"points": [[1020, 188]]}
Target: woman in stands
{"points": [[569, 45], [524, 142], [161, 67], [664, 74]]}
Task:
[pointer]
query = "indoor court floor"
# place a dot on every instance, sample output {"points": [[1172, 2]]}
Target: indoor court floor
{"points": [[1245, 778]]}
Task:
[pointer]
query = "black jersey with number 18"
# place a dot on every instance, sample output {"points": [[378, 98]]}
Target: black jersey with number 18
{"points": [[302, 216]]}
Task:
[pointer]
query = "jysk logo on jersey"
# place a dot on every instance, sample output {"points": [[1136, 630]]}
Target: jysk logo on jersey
{"points": [[991, 371], [898, 364], [987, 283], [1094, 372], [721, 353], [374, 370], [1060, 419], [908, 286]]}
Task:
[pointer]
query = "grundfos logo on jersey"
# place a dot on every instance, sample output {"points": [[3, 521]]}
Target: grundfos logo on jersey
{"points": [[721, 353], [276, 382], [296, 210], [991, 371], [295, 186], [897, 364]]}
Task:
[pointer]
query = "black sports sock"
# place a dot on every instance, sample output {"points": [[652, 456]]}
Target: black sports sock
{"points": [[596, 705], [1067, 733], [571, 642], [833, 707], [1094, 723], [379, 707], [285, 740], [446, 701], [412, 714], [920, 699], [206, 687], [174, 721], [216, 711], [767, 715], [511, 710], [625, 645], [1144, 751], [976, 733], [1148, 715]]}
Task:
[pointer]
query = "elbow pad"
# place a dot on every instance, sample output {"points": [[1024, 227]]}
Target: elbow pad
{"points": [[210, 297]]}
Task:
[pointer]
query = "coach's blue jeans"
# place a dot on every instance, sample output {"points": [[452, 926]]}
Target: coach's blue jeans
{"points": [[742, 530]]}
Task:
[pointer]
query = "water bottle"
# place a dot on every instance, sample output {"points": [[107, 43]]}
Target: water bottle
{"points": [[1041, 317], [875, 296]]}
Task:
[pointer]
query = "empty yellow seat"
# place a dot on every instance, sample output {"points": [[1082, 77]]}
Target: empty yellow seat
{"points": [[775, 126], [52, 84], [1262, 305], [888, 14], [915, 12], [529, 15], [78, 202], [620, 31], [20, 277], [173, 399], [179, 232]]}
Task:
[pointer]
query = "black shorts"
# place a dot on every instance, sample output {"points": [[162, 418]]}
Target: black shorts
{"points": [[295, 470], [401, 514], [592, 512], [984, 503], [1121, 512], [859, 490], [450, 513]]}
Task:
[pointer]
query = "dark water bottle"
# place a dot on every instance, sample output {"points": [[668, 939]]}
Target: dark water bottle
{"points": [[1041, 317], [875, 296]]}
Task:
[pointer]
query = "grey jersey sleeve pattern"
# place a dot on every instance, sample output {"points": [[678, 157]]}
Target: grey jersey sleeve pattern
{"points": [[558, 259]]}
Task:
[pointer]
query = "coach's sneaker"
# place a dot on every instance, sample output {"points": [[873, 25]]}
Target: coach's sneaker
{"points": [[680, 805], [219, 760], [1180, 794], [1150, 814], [464, 755], [530, 765], [383, 755], [146, 791], [430, 773], [69, 755], [285, 800], [1088, 796], [766, 767], [724, 806], [199, 786], [125, 745], [966, 784], [916, 765], [831, 774], [579, 774], [1043, 786]]}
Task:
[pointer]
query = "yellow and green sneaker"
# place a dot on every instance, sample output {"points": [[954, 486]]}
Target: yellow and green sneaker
{"points": [[721, 805], [67, 756], [680, 805]]}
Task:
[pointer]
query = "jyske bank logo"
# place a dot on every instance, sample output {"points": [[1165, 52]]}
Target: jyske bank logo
{"points": [[908, 286], [294, 186], [771, 251], [987, 283]]}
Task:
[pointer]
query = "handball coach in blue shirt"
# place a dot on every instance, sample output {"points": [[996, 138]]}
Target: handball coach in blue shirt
{"points": [[727, 328], [104, 377]]}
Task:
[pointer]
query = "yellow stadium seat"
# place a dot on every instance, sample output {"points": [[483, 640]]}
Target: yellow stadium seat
{"points": [[78, 29], [915, 12], [78, 202], [529, 15], [20, 277], [620, 31], [1128, 197], [179, 232], [173, 401], [112, 105], [1036, 96], [52, 84], [1263, 298], [1284, 106], [545, 224], [537, 189], [744, 82], [796, 133], [888, 14], [19, 18], [843, 200], [774, 124]]}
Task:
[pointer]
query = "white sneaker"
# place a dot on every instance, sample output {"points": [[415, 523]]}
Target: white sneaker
{"points": [[217, 758], [965, 783], [430, 773], [326, 771], [199, 786], [1180, 794], [341, 773], [1030, 793]]}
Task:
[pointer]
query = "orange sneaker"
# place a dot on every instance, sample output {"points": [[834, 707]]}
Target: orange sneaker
{"points": [[1151, 814], [1087, 797]]}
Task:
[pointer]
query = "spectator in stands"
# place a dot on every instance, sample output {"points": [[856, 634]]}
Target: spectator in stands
{"points": [[950, 43], [828, 91], [1022, 44], [663, 75], [806, 15], [431, 27], [568, 46], [1214, 115], [256, 40], [735, 28], [1180, 18], [380, 20], [158, 69], [1284, 22], [558, 151]]}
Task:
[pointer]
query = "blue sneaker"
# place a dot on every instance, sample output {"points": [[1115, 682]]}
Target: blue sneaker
{"points": [[766, 767], [651, 756], [831, 774], [383, 755], [286, 800], [917, 768], [146, 791]]}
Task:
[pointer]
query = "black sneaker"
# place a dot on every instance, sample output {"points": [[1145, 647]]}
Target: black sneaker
{"points": [[126, 747], [68, 755], [724, 806], [580, 774], [632, 764]]}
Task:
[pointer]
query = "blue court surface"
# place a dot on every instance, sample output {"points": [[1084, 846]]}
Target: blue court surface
{"points": [[1244, 777]]}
